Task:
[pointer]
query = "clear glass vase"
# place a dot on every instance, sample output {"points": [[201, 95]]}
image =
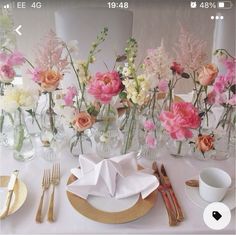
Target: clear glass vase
{"points": [[178, 148], [6, 130], [150, 137], [106, 133], [23, 146], [80, 143], [225, 135], [130, 130], [52, 132], [33, 123]]}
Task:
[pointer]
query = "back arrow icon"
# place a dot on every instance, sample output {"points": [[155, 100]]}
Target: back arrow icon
{"points": [[18, 30]]}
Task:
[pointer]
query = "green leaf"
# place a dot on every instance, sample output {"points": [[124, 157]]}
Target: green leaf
{"points": [[123, 95]]}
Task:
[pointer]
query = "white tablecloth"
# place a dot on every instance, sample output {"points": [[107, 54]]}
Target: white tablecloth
{"points": [[69, 221]]}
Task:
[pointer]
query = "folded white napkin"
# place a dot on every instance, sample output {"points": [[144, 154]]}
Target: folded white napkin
{"points": [[116, 177]]}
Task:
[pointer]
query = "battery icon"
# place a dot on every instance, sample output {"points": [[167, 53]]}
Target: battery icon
{"points": [[225, 4]]}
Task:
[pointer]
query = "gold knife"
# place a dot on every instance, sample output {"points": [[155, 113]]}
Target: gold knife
{"points": [[10, 188], [179, 213]]}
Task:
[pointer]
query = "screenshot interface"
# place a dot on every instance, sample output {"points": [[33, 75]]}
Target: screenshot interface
{"points": [[117, 116]]}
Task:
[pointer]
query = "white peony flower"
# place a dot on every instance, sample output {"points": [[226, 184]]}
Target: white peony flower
{"points": [[18, 97]]}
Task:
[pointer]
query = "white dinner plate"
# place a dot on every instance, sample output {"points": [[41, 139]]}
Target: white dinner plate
{"points": [[110, 204], [194, 196]]}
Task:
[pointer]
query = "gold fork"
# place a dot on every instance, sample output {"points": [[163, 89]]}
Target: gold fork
{"points": [[55, 180], [45, 186]]}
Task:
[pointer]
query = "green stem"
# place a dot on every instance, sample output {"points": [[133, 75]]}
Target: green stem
{"points": [[107, 119], [52, 126], [179, 147], [130, 130], [198, 94], [81, 144]]}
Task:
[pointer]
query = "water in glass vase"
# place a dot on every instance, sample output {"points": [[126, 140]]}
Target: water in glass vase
{"points": [[23, 146], [106, 133]]}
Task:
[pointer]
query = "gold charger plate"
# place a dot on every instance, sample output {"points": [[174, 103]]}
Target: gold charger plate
{"points": [[20, 193], [139, 209]]}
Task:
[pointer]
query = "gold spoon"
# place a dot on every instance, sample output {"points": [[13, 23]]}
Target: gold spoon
{"points": [[192, 183]]}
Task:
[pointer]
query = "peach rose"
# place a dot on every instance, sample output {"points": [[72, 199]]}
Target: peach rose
{"points": [[50, 80], [208, 74], [205, 143], [83, 121]]}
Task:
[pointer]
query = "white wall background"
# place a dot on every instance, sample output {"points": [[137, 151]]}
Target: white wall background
{"points": [[152, 21]]}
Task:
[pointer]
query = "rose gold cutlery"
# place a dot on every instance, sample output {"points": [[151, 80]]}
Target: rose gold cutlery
{"points": [[10, 188], [162, 189], [55, 180], [45, 186], [166, 180]]}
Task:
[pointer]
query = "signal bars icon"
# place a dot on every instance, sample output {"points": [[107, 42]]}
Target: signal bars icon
{"points": [[7, 6]]}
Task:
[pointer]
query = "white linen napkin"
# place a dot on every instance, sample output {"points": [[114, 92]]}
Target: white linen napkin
{"points": [[116, 177]]}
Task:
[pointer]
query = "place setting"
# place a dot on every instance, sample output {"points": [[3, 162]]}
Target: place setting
{"points": [[118, 190]]}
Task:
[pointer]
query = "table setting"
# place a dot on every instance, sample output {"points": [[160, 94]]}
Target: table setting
{"points": [[119, 151]]}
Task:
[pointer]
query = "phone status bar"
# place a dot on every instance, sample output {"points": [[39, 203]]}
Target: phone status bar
{"points": [[22, 5], [212, 4]]}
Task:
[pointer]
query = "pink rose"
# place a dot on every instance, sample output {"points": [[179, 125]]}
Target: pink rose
{"points": [[83, 121], [104, 86], [71, 93], [163, 85], [208, 74], [151, 141], [182, 117], [149, 125]]}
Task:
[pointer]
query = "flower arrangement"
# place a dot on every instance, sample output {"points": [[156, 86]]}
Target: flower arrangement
{"points": [[145, 93]]}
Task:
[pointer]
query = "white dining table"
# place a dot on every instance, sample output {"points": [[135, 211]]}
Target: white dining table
{"points": [[69, 221]]}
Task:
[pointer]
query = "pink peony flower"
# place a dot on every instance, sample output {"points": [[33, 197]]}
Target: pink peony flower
{"points": [[163, 85], [149, 125], [151, 141], [232, 100], [8, 71], [104, 86], [182, 117], [71, 93]]}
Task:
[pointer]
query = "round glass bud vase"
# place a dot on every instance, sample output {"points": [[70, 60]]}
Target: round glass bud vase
{"points": [[80, 143], [52, 134], [130, 130], [23, 146], [106, 133]]}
